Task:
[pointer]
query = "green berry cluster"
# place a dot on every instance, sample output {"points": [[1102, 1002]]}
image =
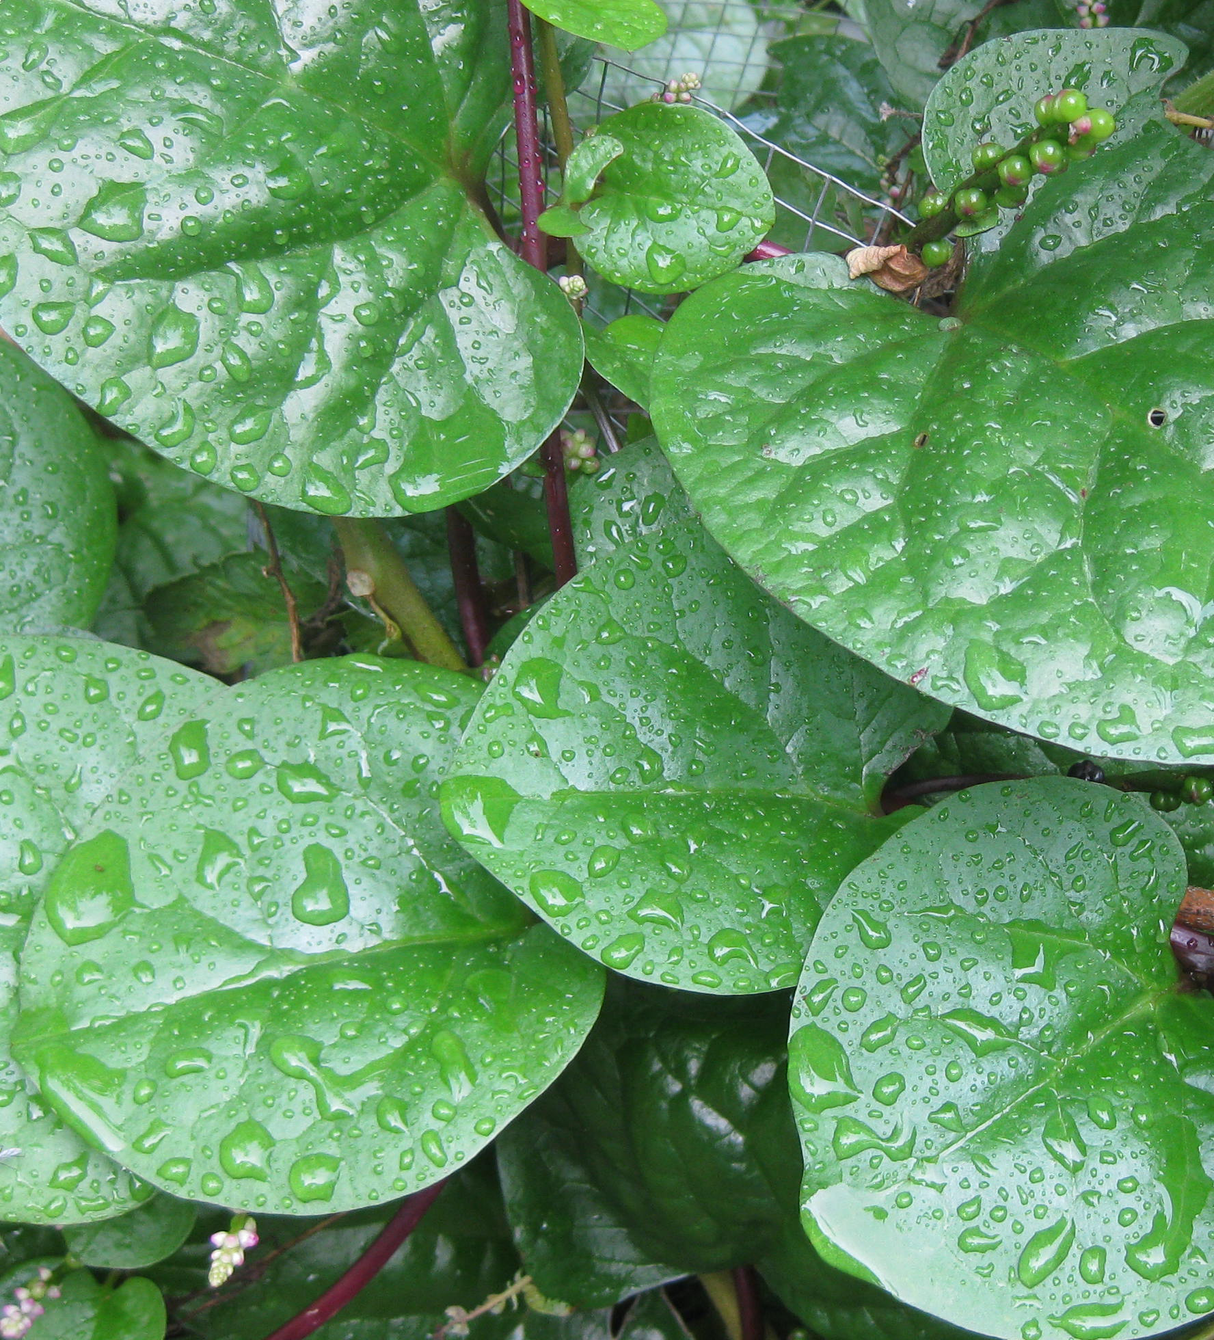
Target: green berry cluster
{"points": [[1068, 130], [1193, 791]]}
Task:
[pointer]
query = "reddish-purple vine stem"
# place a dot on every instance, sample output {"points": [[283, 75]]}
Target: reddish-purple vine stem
{"points": [[533, 251], [767, 251], [469, 593], [364, 1270], [750, 1311]]}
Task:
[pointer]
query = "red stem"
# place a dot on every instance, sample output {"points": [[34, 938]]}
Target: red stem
{"points": [[767, 251], [533, 250], [364, 1270], [750, 1312], [469, 593]]}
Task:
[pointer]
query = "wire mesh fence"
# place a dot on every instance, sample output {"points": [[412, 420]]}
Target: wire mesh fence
{"points": [[727, 44]]}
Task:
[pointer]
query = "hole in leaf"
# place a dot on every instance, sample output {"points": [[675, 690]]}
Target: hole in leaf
{"points": [[1157, 417], [921, 440]]}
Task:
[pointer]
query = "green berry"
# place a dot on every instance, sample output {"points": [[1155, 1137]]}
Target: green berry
{"points": [[1102, 123], [986, 155], [1165, 801], [1011, 196], [1043, 110], [931, 204], [970, 201], [1048, 157], [1069, 106], [936, 253], [1083, 147], [1015, 170], [1197, 790]]}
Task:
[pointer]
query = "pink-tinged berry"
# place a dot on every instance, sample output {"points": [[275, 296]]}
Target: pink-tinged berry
{"points": [[1102, 124], [1043, 110], [1015, 170], [1048, 157], [1069, 105], [970, 201]]}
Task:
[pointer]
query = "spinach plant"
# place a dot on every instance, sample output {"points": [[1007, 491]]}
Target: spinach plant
{"points": [[571, 768]]}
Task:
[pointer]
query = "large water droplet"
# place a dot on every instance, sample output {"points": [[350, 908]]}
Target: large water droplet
{"points": [[90, 889], [322, 898]]}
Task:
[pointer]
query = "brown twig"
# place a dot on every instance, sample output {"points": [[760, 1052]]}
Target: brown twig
{"points": [[469, 593], [594, 402], [364, 1270], [958, 49], [274, 569]]}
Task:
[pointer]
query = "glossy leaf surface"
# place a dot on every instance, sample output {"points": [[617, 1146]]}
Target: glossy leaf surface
{"points": [[669, 1147], [623, 352], [675, 772], [634, 494], [619, 23], [74, 717], [1003, 1096], [88, 1311], [989, 93], [58, 521], [680, 199], [978, 508], [136, 1239], [310, 998], [277, 278]]}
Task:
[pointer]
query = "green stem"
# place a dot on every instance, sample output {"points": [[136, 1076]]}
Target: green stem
{"points": [[719, 1287], [1198, 98], [368, 550], [558, 112]]}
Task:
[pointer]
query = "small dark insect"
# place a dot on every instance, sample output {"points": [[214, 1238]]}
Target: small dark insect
{"points": [[1086, 771]]}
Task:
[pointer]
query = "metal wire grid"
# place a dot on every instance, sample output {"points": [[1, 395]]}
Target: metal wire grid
{"points": [[823, 225]]}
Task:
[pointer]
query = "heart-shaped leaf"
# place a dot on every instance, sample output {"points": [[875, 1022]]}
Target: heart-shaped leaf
{"points": [[1004, 1099], [58, 522], [979, 506], [675, 772], [134, 1240], [264, 975], [680, 199], [635, 493], [990, 93], [277, 276], [623, 352], [74, 716], [619, 23]]}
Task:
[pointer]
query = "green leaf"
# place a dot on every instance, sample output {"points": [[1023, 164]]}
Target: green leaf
{"points": [[1194, 827], [664, 1150], [513, 517], [74, 716], [136, 1239], [634, 494], [623, 352], [459, 1254], [911, 37], [295, 296], [229, 615], [171, 522], [998, 84], [681, 201], [669, 1147], [311, 998], [676, 773], [980, 506], [619, 23], [997, 1078], [827, 109], [86, 1310], [58, 522]]}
